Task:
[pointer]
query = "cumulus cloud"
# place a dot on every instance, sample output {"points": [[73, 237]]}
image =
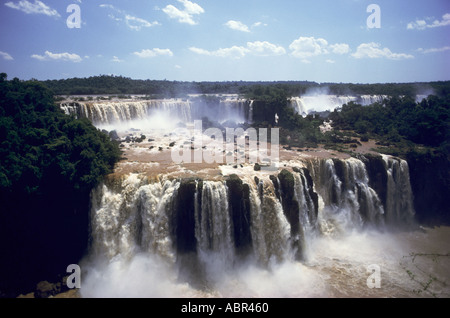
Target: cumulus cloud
{"points": [[186, 15], [340, 48], [428, 23], [434, 50], [265, 48], [235, 52], [148, 53], [373, 50], [132, 22], [6, 56], [306, 47], [38, 7], [49, 56], [258, 48], [237, 25]]}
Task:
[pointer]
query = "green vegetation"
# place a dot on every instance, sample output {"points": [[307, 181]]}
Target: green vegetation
{"points": [[399, 122], [119, 85], [38, 141], [49, 163]]}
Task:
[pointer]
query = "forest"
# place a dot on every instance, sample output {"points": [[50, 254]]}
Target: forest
{"points": [[49, 163], [119, 85]]}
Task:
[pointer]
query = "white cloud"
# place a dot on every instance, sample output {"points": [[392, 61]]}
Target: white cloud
{"points": [[265, 48], [330, 61], [305, 47], [147, 53], [235, 52], [138, 23], [6, 56], [237, 25], [116, 59], [373, 50], [256, 48], [434, 50], [423, 24], [177, 66], [341, 48], [186, 15], [38, 7], [132, 22], [258, 24], [108, 6], [49, 56], [200, 51]]}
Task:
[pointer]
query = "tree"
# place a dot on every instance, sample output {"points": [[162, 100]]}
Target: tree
{"points": [[49, 163]]}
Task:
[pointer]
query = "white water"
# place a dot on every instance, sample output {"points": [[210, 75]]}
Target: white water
{"points": [[303, 105], [133, 252], [110, 114]]}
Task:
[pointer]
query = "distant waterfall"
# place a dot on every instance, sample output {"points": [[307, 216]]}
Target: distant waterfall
{"points": [[107, 113], [303, 105], [116, 112]]}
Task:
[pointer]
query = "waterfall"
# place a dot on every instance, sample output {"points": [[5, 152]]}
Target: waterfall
{"points": [[321, 102], [399, 201], [117, 112], [107, 113], [203, 231], [213, 227], [298, 105], [133, 214]]}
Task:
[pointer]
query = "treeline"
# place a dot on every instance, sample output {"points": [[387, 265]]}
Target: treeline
{"points": [[399, 119], [49, 163], [118, 85]]}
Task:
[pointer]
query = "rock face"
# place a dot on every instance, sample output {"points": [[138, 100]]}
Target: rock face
{"points": [[46, 289], [377, 175], [430, 183], [183, 225], [290, 207], [239, 207]]}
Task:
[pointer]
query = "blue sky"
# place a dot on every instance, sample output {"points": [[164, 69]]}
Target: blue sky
{"points": [[223, 40]]}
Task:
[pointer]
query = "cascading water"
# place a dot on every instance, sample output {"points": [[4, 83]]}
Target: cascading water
{"points": [[190, 233], [119, 112], [323, 102], [107, 113]]}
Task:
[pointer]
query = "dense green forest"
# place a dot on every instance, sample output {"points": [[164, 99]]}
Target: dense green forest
{"points": [[118, 85], [400, 119], [49, 162]]}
